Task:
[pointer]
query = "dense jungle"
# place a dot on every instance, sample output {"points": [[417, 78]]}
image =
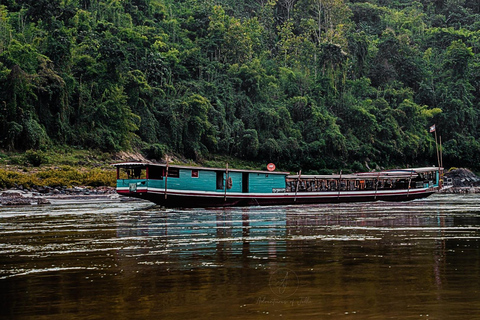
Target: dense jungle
{"points": [[311, 84]]}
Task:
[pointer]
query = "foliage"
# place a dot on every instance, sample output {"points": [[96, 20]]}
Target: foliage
{"points": [[155, 151], [56, 177], [310, 84], [35, 158]]}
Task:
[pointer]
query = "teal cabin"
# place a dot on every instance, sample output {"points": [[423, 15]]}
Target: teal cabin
{"points": [[144, 179]]}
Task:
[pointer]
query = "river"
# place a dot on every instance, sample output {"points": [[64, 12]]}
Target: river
{"points": [[134, 260]]}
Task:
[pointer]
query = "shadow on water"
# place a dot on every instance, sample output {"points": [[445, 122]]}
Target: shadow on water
{"points": [[379, 260]]}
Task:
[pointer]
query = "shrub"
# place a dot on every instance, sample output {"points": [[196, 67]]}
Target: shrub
{"points": [[35, 158], [59, 177], [358, 167], [97, 178], [155, 151]]}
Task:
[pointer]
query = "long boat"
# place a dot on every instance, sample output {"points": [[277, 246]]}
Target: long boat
{"points": [[188, 186]]}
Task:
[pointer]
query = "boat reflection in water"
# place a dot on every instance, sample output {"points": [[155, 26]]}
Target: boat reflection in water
{"points": [[331, 258], [205, 237], [222, 235]]}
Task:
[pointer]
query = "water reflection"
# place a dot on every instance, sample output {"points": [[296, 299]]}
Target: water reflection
{"points": [[363, 261], [202, 237]]}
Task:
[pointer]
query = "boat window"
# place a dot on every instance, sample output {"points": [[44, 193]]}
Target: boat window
{"points": [[137, 172], [123, 173], [156, 173], [194, 173], [132, 173], [173, 173], [245, 182], [220, 180]]}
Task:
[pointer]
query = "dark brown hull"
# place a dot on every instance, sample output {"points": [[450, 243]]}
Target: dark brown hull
{"points": [[195, 200]]}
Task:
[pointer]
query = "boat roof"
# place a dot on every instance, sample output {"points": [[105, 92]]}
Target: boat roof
{"points": [[132, 165], [386, 174]]}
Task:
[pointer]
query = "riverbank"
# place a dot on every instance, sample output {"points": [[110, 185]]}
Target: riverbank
{"points": [[37, 177], [16, 197], [43, 186]]}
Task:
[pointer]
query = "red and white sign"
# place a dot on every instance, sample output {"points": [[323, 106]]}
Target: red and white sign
{"points": [[270, 167]]}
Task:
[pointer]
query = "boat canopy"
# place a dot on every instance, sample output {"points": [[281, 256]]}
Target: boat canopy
{"points": [[387, 174]]}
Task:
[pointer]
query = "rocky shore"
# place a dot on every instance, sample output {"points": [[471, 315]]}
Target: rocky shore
{"points": [[461, 180], [47, 195]]}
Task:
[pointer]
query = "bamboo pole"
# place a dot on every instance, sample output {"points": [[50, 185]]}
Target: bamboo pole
{"points": [[298, 182], [409, 182], [166, 179], [225, 184], [339, 185]]}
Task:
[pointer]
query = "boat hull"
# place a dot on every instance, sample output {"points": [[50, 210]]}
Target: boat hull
{"points": [[200, 199]]}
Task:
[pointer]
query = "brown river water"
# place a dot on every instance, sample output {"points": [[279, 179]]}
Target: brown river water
{"points": [[133, 260]]}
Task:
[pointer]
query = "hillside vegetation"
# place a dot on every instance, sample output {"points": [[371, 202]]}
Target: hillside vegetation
{"points": [[311, 84]]}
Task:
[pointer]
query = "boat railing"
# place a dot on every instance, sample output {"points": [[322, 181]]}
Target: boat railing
{"points": [[324, 185]]}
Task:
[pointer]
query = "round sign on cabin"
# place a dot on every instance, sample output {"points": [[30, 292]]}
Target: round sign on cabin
{"points": [[270, 167]]}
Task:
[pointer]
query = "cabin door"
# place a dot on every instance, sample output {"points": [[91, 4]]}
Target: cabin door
{"points": [[245, 182]]}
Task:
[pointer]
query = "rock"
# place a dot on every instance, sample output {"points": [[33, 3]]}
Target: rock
{"points": [[11, 194], [44, 189], [461, 181], [462, 178], [20, 198], [43, 201], [17, 202]]}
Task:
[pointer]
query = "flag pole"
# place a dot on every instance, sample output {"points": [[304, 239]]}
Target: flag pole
{"points": [[439, 155], [436, 145], [441, 163]]}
